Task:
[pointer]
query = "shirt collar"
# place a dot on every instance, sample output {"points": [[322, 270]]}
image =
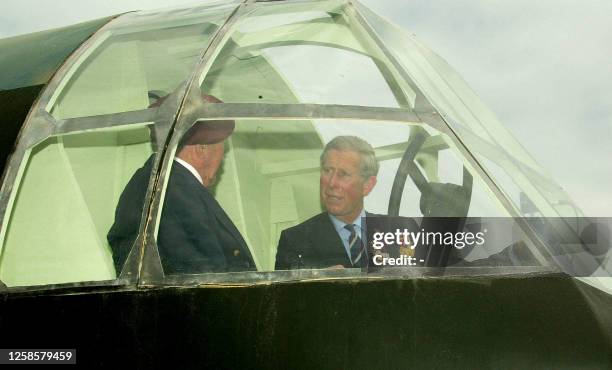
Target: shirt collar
{"points": [[190, 168], [339, 224]]}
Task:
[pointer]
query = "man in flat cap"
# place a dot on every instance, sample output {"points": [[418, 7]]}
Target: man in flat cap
{"points": [[195, 234]]}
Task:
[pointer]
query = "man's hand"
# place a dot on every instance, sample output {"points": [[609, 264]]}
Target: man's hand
{"points": [[335, 267]]}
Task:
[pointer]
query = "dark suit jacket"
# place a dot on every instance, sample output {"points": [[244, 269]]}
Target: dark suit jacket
{"points": [[312, 244], [195, 234], [315, 243]]}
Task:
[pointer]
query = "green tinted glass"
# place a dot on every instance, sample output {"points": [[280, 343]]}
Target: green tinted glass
{"points": [[137, 59], [65, 206]]}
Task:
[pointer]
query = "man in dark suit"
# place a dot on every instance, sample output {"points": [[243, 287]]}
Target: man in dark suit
{"points": [[334, 238], [195, 234]]}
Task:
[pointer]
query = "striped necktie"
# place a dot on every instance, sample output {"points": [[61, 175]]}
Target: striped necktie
{"points": [[355, 247]]}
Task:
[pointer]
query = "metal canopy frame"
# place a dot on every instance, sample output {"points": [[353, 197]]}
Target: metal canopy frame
{"points": [[184, 107]]}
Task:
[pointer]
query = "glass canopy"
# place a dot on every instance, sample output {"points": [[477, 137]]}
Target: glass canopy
{"points": [[90, 185]]}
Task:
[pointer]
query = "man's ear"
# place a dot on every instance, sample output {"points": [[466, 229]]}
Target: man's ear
{"points": [[368, 185]]}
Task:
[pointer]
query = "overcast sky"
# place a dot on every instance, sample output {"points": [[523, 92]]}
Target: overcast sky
{"points": [[544, 67]]}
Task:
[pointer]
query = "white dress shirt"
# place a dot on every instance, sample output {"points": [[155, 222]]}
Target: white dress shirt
{"points": [[190, 168], [344, 233]]}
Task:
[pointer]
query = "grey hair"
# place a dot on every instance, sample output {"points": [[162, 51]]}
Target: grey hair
{"points": [[369, 163]]}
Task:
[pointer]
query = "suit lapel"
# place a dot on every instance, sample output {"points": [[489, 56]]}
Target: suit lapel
{"points": [[212, 205], [223, 218], [325, 240]]}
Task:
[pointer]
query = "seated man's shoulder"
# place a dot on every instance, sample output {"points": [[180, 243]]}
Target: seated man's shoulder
{"points": [[310, 224], [182, 184], [296, 246], [316, 219]]}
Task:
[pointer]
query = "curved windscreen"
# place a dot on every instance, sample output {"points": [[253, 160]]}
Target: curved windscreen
{"points": [[271, 141]]}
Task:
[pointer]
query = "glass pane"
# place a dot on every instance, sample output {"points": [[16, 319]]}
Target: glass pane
{"points": [[32, 59], [64, 205], [289, 53], [140, 58], [270, 181], [476, 125]]}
